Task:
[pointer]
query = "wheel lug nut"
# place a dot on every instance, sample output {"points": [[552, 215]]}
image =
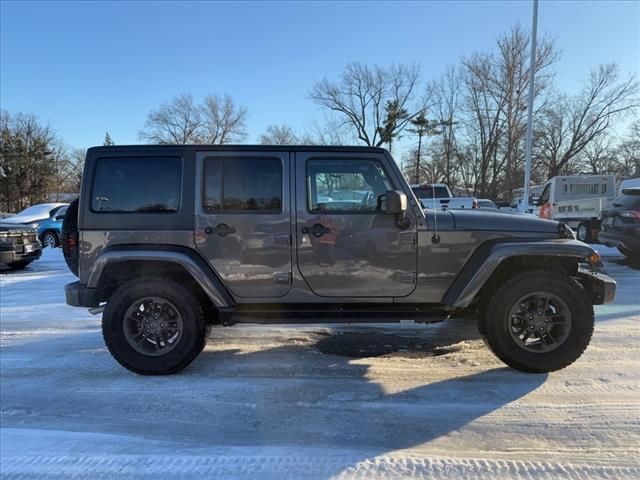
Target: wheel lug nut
{"points": [[546, 320], [162, 324], [542, 329], [531, 327], [146, 330], [530, 317]]}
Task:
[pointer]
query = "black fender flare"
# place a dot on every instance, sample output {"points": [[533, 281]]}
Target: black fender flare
{"points": [[185, 257], [488, 256]]}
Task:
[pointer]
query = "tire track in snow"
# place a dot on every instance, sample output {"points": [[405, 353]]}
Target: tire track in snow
{"points": [[295, 465]]}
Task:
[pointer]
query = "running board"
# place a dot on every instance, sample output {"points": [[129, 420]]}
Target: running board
{"points": [[267, 314]]}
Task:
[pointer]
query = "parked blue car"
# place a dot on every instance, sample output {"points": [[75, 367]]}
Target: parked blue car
{"points": [[49, 231]]}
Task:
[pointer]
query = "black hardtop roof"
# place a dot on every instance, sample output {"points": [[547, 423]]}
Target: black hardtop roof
{"points": [[253, 148]]}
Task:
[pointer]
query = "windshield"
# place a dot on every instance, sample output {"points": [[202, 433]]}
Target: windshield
{"points": [[544, 196]]}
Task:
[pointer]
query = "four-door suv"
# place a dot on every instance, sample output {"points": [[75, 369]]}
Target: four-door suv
{"points": [[621, 223], [167, 240]]}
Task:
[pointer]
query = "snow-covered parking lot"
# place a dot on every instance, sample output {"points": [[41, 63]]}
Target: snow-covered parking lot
{"points": [[310, 402]]}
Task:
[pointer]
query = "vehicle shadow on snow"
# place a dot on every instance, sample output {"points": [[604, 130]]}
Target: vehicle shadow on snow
{"points": [[288, 395], [327, 400]]}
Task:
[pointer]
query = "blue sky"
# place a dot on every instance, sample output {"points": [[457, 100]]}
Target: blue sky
{"points": [[88, 67]]}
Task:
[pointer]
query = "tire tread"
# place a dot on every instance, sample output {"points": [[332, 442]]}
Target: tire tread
{"points": [[186, 294], [503, 292]]}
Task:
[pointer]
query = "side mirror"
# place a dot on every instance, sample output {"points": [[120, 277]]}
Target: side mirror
{"points": [[395, 202], [60, 217]]}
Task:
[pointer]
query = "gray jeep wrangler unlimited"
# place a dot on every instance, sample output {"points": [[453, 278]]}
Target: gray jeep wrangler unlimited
{"points": [[167, 240]]}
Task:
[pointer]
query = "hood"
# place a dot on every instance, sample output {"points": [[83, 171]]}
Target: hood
{"points": [[36, 213], [502, 222]]}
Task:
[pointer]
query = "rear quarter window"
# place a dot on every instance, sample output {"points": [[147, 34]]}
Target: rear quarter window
{"points": [[137, 185], [629, 200]]}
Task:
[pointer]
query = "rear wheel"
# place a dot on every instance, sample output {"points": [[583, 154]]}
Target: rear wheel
{"points": [[538, 321], [154, 326], [584, 232], [50, 239]]}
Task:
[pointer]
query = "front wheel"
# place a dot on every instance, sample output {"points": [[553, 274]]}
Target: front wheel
{"points": [[50, 239], [154, 326], [538, 321]]}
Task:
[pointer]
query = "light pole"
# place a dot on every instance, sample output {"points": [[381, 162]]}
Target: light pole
{"points": [[532, 74]]}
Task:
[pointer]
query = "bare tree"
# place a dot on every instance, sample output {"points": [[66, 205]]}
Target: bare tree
{"points": [[182, 121], [330, 132], [444, 96], [278, 135], [597, 157], [495, 98], [626, 159], [361, 94], [59, 157], [222, 120], [573, 123], [76, 167], [176, 122]]}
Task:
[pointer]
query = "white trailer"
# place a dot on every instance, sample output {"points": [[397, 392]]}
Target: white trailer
{"points": [[577, 201]]}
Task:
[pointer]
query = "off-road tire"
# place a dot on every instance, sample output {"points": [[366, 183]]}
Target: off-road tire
{"points": [[494, 326], [70, 228], [190, 343]]}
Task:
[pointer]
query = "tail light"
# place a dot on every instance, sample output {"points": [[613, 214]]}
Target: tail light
{"points": [[72, 245], [545, 211], [635, 214], [475, 204]]}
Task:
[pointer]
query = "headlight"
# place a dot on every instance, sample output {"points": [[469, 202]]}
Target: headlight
{"points": [[34, 225]]}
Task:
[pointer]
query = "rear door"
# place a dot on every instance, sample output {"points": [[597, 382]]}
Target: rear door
{"points": [[346, 245], [243, 220], [622, 214]]}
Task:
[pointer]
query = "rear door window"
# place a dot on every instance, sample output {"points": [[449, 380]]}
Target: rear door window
{"points": [[137, 185], [242, 185]]}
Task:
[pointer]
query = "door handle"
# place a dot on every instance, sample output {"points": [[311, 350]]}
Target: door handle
{"points": [[222, 230], [317, 230]]}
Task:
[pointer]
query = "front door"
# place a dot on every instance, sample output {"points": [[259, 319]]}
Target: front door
{"points": [[346, 245], [243, 220]]}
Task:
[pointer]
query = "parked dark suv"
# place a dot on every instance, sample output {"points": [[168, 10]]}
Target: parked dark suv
{"points": [[167, 240], [621, 224]]}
